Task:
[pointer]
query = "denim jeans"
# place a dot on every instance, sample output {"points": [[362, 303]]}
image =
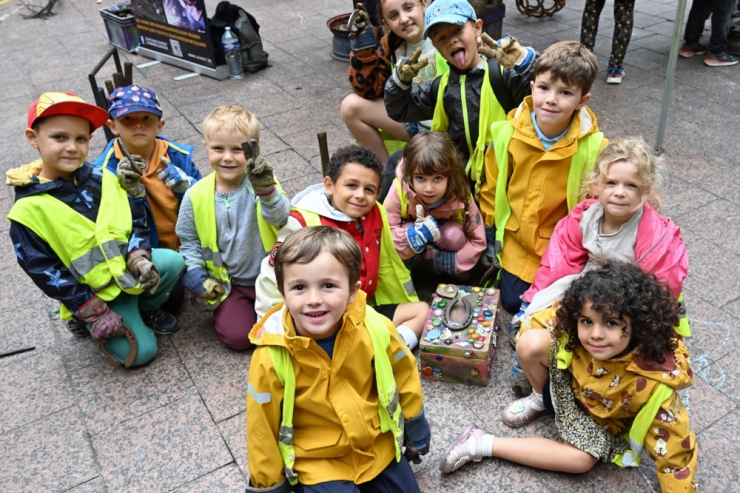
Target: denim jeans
{"points": [[720, 10]]}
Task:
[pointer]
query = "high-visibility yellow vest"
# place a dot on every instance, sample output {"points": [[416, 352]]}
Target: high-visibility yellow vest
{"points": [[394, 279], [635, 436], [94, 252], [582, 162], [203, 199], [404, 200], [389, 409], [490, 111]]}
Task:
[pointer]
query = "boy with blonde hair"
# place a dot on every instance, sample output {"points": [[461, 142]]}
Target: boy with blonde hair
{"points": [[227, 222], [333, 393], [83, 242]]}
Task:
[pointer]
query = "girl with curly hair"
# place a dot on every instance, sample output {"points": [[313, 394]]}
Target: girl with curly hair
{"points": [[431, 211], [608, 370], [619, 221]]}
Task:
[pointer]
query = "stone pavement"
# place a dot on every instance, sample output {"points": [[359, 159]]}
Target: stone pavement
{"points": [[70, 422]]}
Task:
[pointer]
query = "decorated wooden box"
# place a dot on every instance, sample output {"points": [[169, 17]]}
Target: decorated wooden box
{"points": [[459, 338]]}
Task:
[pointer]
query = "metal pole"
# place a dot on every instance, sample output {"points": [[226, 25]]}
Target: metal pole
{"points": [[670, 73]]}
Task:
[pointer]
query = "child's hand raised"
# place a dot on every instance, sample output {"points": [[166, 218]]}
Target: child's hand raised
{"points": [[507, 51], [358, 21], [407, 68], [129, 171], [259, 171]]}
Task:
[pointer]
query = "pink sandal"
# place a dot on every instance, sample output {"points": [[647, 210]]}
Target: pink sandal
{"points": [[458, 454]]}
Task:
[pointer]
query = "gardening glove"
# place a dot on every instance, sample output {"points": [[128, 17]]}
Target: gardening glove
{"points": [[407, 68], [129, 172], [425, 230], [416, 437], [489, 260], [516, 320], [259, 170], [361, 34], [141, 266], [507, 51], [213, 290], [173, 177], [105, 322]]}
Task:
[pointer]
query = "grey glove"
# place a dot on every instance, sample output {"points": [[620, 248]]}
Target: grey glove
{"points": [[259, 171], [129, 173]]}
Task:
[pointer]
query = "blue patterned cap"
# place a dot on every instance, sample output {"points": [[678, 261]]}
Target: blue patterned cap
{"points": [[448, 12], [129, 99]]}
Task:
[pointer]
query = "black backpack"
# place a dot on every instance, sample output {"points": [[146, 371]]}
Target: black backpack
{"points": [[245, 26]]}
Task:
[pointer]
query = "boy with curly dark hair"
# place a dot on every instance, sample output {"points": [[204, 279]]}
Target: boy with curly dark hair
{"points": [[347, 200], [608, 368]]}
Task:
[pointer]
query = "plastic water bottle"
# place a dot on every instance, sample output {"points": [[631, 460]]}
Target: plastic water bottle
{"points": [[233, 54]]}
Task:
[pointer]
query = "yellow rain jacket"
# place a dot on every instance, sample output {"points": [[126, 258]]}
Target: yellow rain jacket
{"points": [[335, 418], [537, 187]]}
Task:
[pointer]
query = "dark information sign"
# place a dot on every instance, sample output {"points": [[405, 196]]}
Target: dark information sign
{"points": [[175, 27]]}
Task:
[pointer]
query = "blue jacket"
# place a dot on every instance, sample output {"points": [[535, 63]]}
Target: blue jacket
{"points": [[181, 155], [37, 258]]}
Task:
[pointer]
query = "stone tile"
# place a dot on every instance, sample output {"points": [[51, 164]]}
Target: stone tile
{"points": [[228, 479], [719, 448], [717, 222], [197, 336], [164, 449], [714, 332], [292, 121], [724, 376], [291, 165], [48, 455], [709, 277], [292, 187], [110, 397], [95, 485], [306, 142], [706, 405], [679, 197], [33, 387], [221, 378], [234, 432]]}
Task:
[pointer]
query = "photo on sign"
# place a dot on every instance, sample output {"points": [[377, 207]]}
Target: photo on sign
{"points": [[152, 10], [186, 14]]}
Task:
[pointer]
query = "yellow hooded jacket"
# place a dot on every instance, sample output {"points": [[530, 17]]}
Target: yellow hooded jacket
{"points": [[336, 423], [537, 187]]}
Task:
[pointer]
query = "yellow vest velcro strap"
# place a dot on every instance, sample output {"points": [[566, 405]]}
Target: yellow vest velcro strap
{"points": [[285, 435], [683, 329]]}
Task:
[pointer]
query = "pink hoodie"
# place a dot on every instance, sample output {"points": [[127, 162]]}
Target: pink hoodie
{"points": [[659, 249], [467, 257]]}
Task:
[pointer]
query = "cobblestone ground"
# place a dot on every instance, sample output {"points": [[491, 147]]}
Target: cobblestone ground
{"points": [[70, 422]]}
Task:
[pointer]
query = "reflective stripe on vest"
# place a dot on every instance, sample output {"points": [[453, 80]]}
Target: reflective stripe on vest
{"points": [[404, 200], [581, 162], [94, 252], [203, 199], [394, 279], [490, 112], [642, 421], [389, 409]]}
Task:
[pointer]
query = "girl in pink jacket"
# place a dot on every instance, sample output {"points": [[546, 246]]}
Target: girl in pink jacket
{"points": [[620, 223], [430, 208]]}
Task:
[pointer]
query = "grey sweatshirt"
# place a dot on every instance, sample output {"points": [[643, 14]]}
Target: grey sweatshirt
{"points": [[238, 234]]}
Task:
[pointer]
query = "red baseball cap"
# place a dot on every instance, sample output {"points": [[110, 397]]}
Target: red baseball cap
{"points": [[66, 103]]}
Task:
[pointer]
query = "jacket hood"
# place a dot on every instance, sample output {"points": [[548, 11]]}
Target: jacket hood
{"points": [[315, 199], [583, 123], [675, 371], [27, 182], [276, 328]]}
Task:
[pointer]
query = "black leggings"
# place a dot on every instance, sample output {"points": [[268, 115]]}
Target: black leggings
{"points": [[623, 14]]}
